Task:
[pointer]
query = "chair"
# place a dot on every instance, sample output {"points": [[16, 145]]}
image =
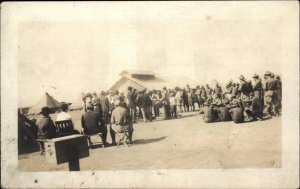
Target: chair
{"points": [[89, 138], [65, 128], [123, 137]]}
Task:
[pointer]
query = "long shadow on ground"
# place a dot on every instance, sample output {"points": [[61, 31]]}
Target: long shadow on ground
{"points": [[147, 141]]}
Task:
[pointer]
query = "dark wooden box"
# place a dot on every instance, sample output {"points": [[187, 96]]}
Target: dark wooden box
{"points": [[57, 149]]}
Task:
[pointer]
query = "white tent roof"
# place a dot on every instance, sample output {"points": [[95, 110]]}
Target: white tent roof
{"points": [[46, 100]]}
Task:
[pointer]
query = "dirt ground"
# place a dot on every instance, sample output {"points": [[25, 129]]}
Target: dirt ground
{"points": [[183, 143]]}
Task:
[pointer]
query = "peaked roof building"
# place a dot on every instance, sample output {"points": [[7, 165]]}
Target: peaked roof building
{"points": [[143, 79]]}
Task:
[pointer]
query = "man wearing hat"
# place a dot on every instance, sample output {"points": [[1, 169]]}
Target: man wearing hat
{"points": [[63, 115], [257, 86], [209, 114], [120, 121], [104, 102], [271, 101], [208, 92], [165, 98], [245, 88], [130, 102], [237, 111], [93, 123], [46, 127]]}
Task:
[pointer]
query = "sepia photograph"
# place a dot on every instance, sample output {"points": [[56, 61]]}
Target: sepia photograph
{"points": [[158, 88]]}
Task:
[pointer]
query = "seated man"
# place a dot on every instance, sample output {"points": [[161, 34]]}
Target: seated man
{"points": [[209, 114], [46, 127], [121, 120], [223, 112], [92, 123], [237, 111]]}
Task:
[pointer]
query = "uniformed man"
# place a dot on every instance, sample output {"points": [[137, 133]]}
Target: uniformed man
{"points": [[257, 86], [166, 101], [209, 92], [131, 103], [121, 120], [271, 101], [245, 89]]}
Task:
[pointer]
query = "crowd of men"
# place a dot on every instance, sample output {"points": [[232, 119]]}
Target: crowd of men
{"points": [[246, 100], [255, 99]]}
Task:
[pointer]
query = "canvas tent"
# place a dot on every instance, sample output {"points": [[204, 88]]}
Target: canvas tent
{"points": [[142, 79], [77, 104], [46, 100]]}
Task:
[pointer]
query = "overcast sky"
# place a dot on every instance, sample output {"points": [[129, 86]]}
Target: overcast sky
{"points": [[203, 42]]}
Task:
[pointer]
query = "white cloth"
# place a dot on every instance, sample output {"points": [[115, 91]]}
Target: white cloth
{"points": [[63, 116]]}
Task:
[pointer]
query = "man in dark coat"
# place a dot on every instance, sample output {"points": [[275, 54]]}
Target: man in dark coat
{"points": [[92, 123], [46, 127], [245, 88], [105, 106], [131, 103]]}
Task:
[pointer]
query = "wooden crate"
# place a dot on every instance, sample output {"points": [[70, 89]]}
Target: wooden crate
{"points": [[58, 149]]}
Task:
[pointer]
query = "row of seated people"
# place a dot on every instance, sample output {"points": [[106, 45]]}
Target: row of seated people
{"points": [[91, 121], [236, 110]]}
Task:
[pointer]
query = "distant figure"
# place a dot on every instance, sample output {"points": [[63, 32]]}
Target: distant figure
{"points": [[271, 98], [105, 106], [63, 115], [166, 101], [155, 103], [130, 100], [120, 121], [92, 123], [46, 127], [173, 104]]}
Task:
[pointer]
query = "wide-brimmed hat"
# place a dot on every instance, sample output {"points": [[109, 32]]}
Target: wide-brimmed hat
{"points": [[255, 76], [64, 105], [267, 73], [45, 109], [164, 87]]}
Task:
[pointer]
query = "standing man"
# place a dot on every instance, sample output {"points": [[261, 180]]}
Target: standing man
{"points": [[271, 101], [105, 106], [244, 88], [131, 103], [166, 101]]}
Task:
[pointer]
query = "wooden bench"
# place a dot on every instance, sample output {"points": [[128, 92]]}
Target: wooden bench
{"points": [[90, 144]]}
